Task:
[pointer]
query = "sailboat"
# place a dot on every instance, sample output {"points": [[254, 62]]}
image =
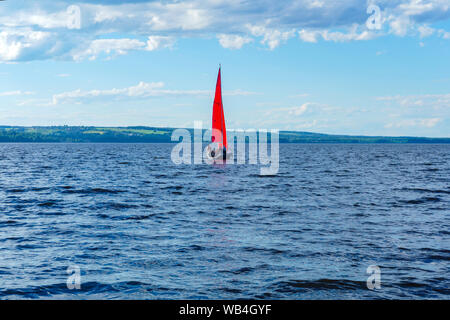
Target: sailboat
{"points": [[218, 149]]}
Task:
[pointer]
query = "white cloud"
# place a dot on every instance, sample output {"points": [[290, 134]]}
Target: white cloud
{"points": [[404, 18], [296, 111], [109, 14], [122, 46], [178, 16], [15, 42], [239, 92], [109, 46], [437, 101], [40, 18], [141, 90], [299, 110], [271, 37], [232, 41], [444, 34], [352, 34], [417, 7], [415, 111], [15, 93], [425, 31], [427, 123], [306, 125], [314, 116], [309, 35], [400, 25], [234, 22], [315, 4], [157, 42]]}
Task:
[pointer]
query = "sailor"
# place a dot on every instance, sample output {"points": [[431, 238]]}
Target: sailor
{"points": [[211, 151], [224, 153]]}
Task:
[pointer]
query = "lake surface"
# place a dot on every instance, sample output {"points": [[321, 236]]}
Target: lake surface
{"points": [[140, 227]]}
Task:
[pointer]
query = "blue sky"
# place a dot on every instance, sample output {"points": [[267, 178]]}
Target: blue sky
{"points": [[345, 67]]}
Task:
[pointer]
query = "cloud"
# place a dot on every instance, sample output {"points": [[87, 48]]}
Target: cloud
{"points": [[46, 20], [427, 123], [415, 111], [271, 37], [108, 46], [444, 34], [309, 115], [351, 34], [122, 46], [15, 93], [400, 25], [14, 43], [180, 16], [306, 125], [315, 4], [141, 90], [232, 41], [296, 111], [402, 18], [309, 35], [109, 14], [51, 30], [425, 31], [436, 101], [417, 7], [239, 92], [157, 42], [314, 116]]}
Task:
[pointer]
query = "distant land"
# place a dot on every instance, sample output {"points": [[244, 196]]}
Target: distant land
{"points": [[162, 135]]}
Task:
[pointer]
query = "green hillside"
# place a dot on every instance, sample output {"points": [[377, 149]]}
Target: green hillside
{"points": [[162, 135]]}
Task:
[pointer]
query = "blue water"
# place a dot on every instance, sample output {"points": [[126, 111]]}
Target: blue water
{"points": [[140, 227]]}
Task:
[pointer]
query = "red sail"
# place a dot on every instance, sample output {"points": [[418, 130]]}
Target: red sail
{"points": [[218, 119]]}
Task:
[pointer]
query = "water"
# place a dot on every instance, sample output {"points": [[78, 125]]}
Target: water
{"points": [[141, 227]]}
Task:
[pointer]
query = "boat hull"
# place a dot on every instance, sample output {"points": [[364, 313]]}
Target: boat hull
{"points": [[217, 155]]}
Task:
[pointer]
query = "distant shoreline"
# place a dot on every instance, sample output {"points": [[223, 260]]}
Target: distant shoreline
{"points": [[142, 134]]}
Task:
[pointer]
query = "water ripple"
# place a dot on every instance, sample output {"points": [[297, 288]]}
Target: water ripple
{"points": [[140, 227]]}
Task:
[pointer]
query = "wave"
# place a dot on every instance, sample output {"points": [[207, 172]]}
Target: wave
{"points": [[420, 200], [91, 288], [93, 191], [424, 190], [321, 284]]}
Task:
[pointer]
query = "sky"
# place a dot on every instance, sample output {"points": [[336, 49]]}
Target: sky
{"points": [[338, 67]]}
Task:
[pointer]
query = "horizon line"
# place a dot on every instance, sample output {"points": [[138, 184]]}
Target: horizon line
{"points": [[268, 129]]}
